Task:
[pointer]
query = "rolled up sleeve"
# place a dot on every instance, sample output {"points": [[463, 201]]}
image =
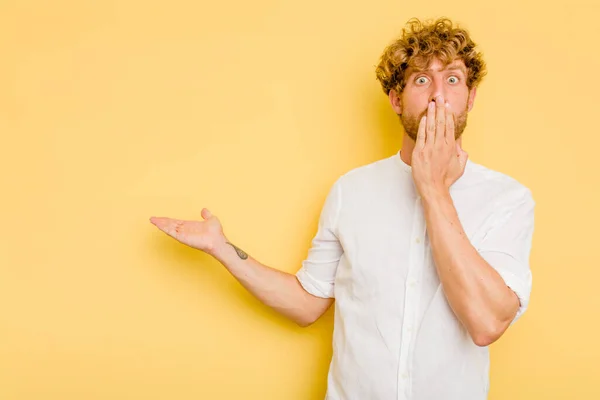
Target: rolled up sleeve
{"points": [[317, 274], [507, 246]]}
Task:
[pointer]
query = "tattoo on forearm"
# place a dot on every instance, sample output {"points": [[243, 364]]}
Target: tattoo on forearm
{"points": [[241, 253]]}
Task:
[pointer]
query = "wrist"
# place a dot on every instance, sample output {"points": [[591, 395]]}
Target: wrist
{"points": [[434, 193], [437, 204], [219, 248]]}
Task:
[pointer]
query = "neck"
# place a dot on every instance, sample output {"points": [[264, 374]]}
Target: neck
{"points": [[408, 146]]}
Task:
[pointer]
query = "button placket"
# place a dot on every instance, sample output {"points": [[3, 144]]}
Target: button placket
{"points": [[412, 294]]}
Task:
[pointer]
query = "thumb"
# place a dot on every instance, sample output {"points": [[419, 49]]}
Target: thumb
{"points": [[462, 156], [206, 214]]}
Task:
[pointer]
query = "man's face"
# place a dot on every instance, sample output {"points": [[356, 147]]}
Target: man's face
{"points": [[424, 86]]}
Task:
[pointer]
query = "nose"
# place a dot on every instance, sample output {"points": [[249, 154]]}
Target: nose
{"points": [[437, 89]]}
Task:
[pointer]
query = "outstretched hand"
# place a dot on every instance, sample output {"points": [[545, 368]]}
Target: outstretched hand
{"points": [[202, 235]]}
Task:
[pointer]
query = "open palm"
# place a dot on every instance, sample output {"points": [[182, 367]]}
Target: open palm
{"points": [[201, 235]]}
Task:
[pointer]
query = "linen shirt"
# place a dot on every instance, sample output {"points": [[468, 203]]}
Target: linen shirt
{"points": [[395, 336]]}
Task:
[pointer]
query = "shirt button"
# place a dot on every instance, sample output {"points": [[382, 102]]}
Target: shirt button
{"points": [[418, 240], [404, 375]]}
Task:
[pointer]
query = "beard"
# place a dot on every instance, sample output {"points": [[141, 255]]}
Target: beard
{"points": [[411, 123]]}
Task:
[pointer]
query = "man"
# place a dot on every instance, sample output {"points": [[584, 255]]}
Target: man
{"points": [[426, 253]]}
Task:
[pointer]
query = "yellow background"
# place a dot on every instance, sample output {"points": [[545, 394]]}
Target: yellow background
{"points": [[111, 112]]}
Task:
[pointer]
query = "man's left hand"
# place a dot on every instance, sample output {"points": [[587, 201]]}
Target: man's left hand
{"points": [[437, 160]]}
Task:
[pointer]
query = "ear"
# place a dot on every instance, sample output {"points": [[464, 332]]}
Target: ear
{"points": [[472, 94], [396, 102]]}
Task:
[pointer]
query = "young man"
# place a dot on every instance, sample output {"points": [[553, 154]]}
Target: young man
{"points": [[426, 253]]}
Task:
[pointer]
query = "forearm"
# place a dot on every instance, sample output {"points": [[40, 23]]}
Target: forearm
{"points": [[277, 289], [475, 291]]}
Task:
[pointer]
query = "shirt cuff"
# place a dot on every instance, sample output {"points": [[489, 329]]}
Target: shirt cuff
{"points": [[314, 286], [516, 276]]}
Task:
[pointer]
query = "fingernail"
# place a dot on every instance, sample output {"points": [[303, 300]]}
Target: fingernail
{"points": [[431, 105]]}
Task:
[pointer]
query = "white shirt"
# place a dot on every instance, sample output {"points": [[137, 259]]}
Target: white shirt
{"points": [[395, 336]]}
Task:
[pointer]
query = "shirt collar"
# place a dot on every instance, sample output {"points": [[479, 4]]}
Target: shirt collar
{"points": [[459, 183]]}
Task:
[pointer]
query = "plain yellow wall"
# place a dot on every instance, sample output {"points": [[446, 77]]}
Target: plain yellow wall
{"points": [[116, 111]]}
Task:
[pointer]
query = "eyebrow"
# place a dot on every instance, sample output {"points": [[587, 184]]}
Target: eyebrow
{"points": [[450, 68]]}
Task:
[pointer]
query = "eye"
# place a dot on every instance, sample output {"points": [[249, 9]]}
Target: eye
{"points": [[421, 80], [453, 79]]}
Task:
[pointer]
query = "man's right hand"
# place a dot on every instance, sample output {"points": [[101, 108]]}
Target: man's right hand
{"points": [[202, 235]]}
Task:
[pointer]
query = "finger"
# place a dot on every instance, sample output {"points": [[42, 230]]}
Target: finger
{"points": [[421, 133], [450, 128], [463, 156], [440, 120], [206, 214], [430, 131], [169, 226], [157, 220]]}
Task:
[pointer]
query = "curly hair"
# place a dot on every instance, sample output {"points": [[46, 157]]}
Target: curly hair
{"points": [[419, 44]]}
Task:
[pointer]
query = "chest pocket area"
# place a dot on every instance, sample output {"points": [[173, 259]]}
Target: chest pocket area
{"points": [[376, 252]]}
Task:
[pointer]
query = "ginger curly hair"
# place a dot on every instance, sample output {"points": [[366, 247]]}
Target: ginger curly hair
{"points": [[419, 43]]}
